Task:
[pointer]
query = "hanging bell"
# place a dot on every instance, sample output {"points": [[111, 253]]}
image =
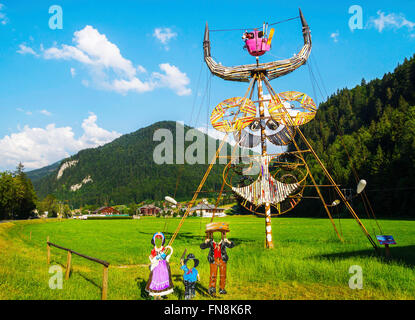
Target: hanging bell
{"points": [[255, 125], [272, 124]]}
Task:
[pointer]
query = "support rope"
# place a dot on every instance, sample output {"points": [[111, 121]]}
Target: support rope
{"points": [[244, 29]]}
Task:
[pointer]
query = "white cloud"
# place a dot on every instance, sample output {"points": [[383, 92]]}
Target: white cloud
{"points": [[391, 20], [335, 36], [27, 112], [26, 50], [38, 147], [134, 84], [3, 17], [164, 35], [67, 53], [102, 52], [73, 72], [141, 69], [109, 70], [173, 79], [45, 112], [94, 135]]}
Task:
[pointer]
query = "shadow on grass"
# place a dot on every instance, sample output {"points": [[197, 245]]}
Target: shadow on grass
{"points": [[202, 290], [239, 241], [99, 286], [405, 255], [180, 236], [179, 292], [141, 284]]}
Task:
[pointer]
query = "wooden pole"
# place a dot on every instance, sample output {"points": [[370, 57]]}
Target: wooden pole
{"points": [[387, 251], [268, 229], [48, 246], [104, 283], [68, 265], [30, 237]]}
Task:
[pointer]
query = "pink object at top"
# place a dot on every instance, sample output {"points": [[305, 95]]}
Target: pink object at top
{"points": [[257, 46]]}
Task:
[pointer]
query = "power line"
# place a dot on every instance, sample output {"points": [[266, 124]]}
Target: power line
{"points": [[272, 24]]}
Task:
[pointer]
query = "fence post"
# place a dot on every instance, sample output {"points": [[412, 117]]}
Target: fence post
{"points": [[68, 264], [104, 283], [48, 246]]}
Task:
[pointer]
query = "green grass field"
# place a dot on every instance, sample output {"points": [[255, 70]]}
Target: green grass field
{"points": [[308, 262]]}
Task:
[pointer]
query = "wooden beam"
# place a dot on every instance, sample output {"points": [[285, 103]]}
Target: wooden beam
{"points": [[68, 265], [48, 247], [104, 283]]}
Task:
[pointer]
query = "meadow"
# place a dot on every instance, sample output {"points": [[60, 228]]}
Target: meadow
{"points": [[308, 261]]}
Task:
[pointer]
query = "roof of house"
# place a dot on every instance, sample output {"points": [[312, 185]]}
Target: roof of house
{"points": [[149, 206], [204, 206], [103, 208]]}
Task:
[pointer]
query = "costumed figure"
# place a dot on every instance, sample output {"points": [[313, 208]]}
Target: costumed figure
{"points": [[190, 276], [217, 258], [160, 282]]}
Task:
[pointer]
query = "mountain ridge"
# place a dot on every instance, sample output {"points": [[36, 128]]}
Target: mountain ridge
{"points": [[124, 171]]}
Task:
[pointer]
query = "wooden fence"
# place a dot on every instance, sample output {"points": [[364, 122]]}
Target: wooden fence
{"points": [[68, 265]]}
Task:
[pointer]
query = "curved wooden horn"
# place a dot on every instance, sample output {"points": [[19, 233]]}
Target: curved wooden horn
{"points": [[273, 69]]}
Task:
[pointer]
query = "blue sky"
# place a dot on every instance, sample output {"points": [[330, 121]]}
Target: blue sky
{"points": [[59, 92]]}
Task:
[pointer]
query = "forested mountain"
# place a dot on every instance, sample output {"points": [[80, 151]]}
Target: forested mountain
{"points": [[124, 171], [376, 122], [38, 174]]}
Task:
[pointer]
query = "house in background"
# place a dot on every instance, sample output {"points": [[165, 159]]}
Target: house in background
{"points": [[206, 210], [149, 210], [106, 211]]}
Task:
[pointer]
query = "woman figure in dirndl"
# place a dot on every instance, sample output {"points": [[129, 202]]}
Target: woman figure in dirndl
{"points": [[160, 282]]}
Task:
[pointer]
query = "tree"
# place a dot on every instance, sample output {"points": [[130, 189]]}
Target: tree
{"points": [[17, 196], [7, 196], [50, 205], [27, 196]]}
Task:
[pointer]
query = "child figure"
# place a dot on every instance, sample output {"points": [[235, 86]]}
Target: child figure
{"points": [[190, 276], [159, 282]]}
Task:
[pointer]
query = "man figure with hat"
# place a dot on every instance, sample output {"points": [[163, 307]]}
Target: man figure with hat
{"points": [[217, 258], [190, 276]]}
